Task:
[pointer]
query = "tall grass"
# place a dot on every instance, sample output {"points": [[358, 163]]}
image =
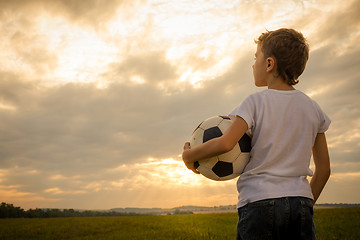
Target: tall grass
{"points": [[202, 226], [337, 223]]}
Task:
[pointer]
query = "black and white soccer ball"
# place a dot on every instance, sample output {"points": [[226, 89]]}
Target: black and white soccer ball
{"points": [[225, 166]]}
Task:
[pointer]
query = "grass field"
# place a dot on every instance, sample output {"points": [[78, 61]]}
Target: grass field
{"points": [[332, 223]]}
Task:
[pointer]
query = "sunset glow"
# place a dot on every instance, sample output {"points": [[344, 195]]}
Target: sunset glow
{"points": [[98, 97]]}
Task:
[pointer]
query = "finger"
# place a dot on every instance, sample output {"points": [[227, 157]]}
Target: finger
{"points": [[186, 145], [195, 170], [192, 168]]}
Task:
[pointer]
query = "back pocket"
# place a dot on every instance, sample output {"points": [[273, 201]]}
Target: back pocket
{"points": [[256, 220]]}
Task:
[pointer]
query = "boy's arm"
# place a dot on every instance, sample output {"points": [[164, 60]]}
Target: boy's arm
{"points": [[322, 165], [215, 146]]}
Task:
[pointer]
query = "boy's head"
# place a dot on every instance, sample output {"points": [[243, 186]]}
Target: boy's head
{"points": [[289, 49]]}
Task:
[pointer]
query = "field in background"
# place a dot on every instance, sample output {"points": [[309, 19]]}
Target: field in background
{"points": [[331, 223]]}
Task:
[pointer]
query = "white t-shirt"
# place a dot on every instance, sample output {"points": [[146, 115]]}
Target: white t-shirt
{"points": [[283, 126]]}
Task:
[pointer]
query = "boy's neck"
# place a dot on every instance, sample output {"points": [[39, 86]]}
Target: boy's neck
{"points": [[279, 84]]}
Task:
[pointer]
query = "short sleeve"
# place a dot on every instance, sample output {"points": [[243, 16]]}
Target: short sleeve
{"points": [[324, 120], [246, 111]]}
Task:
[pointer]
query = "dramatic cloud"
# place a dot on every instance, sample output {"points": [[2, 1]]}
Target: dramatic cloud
{"points": [[98, 97], [91, 12]]}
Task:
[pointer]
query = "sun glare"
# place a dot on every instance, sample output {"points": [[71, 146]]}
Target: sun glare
{"points": [[83, 58], [200, 41], [172, 171], [81, 54]]}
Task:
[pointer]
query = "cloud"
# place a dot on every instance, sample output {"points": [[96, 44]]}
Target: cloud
{"points": [[342, 188], [92, 13], [151, 67], [342, 24], [75, 125], [65, 139], [9, 82], [125, 185], [72, 134], [331, 77], [31, 48]]}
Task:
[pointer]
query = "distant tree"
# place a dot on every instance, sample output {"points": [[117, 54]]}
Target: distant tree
{"points": [[9, 211], [35, 213], [179, 212]]}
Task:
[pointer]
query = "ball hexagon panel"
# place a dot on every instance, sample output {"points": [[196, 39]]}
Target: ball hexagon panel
{"points": [[211, 133], [223, 169], [245, 143]]}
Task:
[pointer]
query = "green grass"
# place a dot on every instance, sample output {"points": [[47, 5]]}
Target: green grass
{"points": [[204, 226], [337, 223]]}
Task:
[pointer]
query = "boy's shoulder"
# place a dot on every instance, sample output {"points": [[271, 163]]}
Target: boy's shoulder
{"points": [[280, 95], [275, 92]]}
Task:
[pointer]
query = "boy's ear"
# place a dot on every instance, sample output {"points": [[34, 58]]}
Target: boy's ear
{"points": [[270, 64]]}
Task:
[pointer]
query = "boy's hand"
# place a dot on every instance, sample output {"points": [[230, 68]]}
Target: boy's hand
{"points": [[189, 165]]}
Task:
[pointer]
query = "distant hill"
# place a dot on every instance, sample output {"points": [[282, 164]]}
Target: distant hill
{"points": [[337, 205], [201, 209], [177, 210], [10, 211]]}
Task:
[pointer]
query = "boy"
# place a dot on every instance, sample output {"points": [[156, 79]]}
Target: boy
{"points": [[275, 198]]}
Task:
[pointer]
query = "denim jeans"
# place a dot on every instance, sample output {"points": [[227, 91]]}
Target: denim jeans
{"points": [[288, 218]]}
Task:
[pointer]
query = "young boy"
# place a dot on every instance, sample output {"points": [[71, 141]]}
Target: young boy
{"points": [[287, 127]]}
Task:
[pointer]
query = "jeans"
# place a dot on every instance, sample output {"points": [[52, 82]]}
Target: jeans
{"points": [[289, 218]]}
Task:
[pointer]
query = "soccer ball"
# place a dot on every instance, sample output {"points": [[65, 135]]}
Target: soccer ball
{"points": [[225, 166]]}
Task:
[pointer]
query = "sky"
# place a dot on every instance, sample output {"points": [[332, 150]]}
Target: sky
{"points": [[98, 97]]}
